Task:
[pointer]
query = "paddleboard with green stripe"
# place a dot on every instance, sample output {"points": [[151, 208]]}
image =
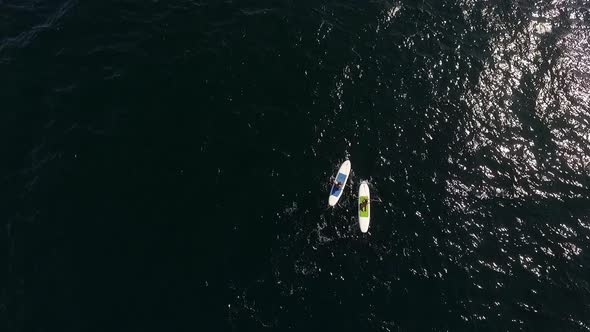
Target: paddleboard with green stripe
{"points": [[364, 206]]}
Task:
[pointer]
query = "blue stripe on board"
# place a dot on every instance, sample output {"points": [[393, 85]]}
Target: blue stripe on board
{"points": [[336, 191]]}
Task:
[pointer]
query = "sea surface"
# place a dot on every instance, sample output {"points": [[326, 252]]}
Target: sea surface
{"points": [[165, 165]]}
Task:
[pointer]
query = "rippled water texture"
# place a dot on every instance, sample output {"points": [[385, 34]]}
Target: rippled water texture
{"points": [[470, 119]]}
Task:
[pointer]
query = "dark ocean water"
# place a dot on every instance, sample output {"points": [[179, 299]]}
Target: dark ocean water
{"points": [[166, 165]]}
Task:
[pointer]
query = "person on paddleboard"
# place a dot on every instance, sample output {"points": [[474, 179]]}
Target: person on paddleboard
{"points": [[363, 205], [337, 184]]}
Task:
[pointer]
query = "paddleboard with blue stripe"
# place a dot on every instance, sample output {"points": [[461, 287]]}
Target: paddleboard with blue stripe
{"points": [[342, 177]]}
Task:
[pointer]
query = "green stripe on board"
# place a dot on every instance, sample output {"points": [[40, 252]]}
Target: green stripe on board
{"points": [[364, 206]]}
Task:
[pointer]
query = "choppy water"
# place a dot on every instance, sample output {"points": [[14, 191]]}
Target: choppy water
{"points": [[166, 165]]}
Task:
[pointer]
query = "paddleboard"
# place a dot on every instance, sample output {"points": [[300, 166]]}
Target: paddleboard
{"points": [[341, 177], [364, 206]]}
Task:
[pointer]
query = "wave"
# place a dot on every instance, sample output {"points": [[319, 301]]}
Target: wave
{"points": [[25, 38]]}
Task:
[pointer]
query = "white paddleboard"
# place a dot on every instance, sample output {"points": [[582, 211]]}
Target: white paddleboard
{"points": [[341, 177], [364, 206]]}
